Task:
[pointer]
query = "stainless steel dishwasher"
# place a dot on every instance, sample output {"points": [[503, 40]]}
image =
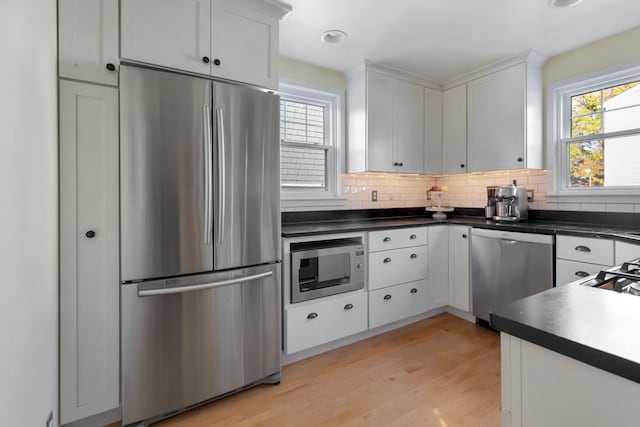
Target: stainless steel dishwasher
{"points": [[506, 266]]}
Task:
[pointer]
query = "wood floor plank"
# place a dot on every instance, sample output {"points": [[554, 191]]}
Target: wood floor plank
{"points": [[440, 372]]}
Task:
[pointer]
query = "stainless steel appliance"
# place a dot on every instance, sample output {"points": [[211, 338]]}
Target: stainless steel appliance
{"points": [[623, 278], [511, 203], [200, 215], [506, 266], [326, 267], [490, 209]]}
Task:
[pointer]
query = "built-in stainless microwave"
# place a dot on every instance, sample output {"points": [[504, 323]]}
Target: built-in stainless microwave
{"points": [[326, 267]]}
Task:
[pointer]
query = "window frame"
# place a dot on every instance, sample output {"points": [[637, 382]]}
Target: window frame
{"points": [[559, 116], [333, 101]]}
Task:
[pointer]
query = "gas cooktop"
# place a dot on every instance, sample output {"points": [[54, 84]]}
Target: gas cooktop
{"points": [[624, 278]]}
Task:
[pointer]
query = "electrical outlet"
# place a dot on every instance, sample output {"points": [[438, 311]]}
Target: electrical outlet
{"points": [[429, 195], [49, 422], [374, 196], [530, 196]]}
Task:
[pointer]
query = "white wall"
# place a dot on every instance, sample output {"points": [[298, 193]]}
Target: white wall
{"points": [[28, 213]]}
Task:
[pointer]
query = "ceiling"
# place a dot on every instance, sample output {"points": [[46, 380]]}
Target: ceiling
{"points": [[444, 39]]}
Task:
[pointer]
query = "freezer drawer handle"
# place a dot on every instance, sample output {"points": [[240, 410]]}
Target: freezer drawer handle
{"points": [[582, 273], [192, 288], [312, 316], [583, 248]]}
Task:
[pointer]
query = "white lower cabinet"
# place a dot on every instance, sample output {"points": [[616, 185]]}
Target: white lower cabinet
{"points": [[568, 271], [89, 257], [626, 252], [397, 266], [397, 302], [438, 268], [317, 323], [459, 283]]}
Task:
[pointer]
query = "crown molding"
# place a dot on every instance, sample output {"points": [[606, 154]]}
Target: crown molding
{"points": [[394, 72]]}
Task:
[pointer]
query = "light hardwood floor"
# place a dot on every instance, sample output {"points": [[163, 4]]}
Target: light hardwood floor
{"points": [[441, 371]]}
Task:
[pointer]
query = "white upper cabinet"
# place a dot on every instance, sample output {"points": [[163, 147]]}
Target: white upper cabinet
{"points": [[170, 33], [244, 42], [235, 40], [386, 123], [454, 131], [432, 131], [88, 40], [505, 119]]}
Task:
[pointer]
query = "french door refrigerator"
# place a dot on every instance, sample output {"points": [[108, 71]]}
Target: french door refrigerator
{"points": [[200, 240]]}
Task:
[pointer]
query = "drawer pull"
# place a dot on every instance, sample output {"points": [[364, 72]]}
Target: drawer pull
{"points": [[387, 260], [387, 297], [413, 237], [413, 256], [583, 248], [414, 291], [582, 273], [348, 306], [312, 316], [386, 239]]}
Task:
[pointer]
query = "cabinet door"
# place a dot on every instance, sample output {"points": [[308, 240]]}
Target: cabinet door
{"points": [[244, 44], [408, 127], [438, 271], [432, 131], [380, 122], [170, 33], [497, 125], [459, 290], [454, 131], [626, 252], [88, 40], [89, 269]]}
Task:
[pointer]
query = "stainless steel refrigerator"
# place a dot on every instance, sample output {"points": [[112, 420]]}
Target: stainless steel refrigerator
{"points": [[200, 236]]}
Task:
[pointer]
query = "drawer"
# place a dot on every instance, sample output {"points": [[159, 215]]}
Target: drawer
{"points": [[397, 266], [397, 302], [318, 323], [397, 238], [585, 249], [570, 271]]}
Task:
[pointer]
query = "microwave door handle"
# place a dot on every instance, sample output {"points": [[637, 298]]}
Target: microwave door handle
{"points": [[201, 287], [221, 174], [208, 175]]}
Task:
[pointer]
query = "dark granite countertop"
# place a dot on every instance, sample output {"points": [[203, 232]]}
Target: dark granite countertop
{"points": [[540, 226], [592, 325]]}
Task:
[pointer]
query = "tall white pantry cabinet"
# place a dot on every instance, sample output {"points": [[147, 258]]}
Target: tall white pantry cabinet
{"points": [[89, 250]]}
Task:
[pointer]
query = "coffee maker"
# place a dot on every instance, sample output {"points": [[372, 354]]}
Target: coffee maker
{"points": [[511, 203]]}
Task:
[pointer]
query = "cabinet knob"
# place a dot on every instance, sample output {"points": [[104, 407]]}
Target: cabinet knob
{"points": [[413, 237], [413, 256], [414, 291], [386, 239], [520, 159], [400, 164], [387, 297], [217, 62], [395, 163], [312, 316], [583, 248], [581, 273], [462, 165], [90, 234], [464, 236], [111, 67], [348, 306], [205, 59], [387, 260]]}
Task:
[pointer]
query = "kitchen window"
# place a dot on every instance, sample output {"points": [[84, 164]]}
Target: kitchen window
{"points": [[310, 142], [597, 133]]}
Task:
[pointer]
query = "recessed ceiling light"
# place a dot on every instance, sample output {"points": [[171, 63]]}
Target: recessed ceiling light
{"points": [[333, 36], [563, 3]]}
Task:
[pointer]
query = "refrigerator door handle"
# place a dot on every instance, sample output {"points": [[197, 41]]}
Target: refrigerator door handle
{"points": [[208, 175], [201, 287], [221, 174]]}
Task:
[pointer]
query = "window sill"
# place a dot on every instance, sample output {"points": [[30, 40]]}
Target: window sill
{"points": [[615, 196], [328, 202]]}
